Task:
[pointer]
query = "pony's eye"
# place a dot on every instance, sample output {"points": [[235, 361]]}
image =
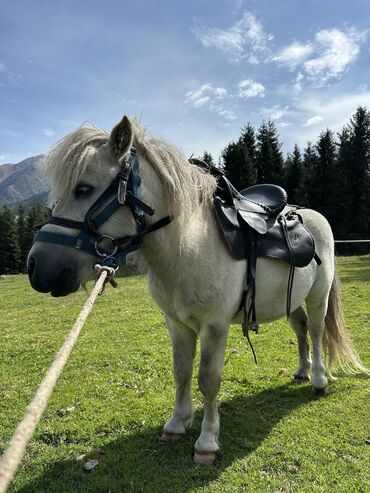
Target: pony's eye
{"points": [[82, 191]]}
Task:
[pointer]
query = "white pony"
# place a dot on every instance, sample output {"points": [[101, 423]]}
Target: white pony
{"points": [[192, 276]]}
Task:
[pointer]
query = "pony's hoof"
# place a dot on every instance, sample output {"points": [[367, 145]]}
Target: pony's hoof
{"points": [[300, 379], [205, 458], [171, 437], [319, 392]]}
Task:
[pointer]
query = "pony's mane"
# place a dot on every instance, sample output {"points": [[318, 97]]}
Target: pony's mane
{"points": [[69, 158], [186, 186]]}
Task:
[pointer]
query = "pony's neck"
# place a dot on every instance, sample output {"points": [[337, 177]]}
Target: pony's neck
{"points": [[186, 195], [172, 248]]}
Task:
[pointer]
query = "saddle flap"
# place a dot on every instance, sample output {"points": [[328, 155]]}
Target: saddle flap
{"points": [[253, 220], [227, 214], [273, 243]]}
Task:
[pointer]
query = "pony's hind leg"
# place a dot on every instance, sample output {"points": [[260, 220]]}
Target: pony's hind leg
{"points": [[213, 343], [316, 310], [183, 345], [298, 320]]}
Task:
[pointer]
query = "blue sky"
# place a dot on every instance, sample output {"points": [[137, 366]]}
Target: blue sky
{"points": [[193, 72]]}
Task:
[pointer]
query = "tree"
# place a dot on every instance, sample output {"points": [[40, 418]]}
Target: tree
{"points": [[344, 164], [248, 172], [21, 220], [207, 158], [293, 175], [36, 216], [232, 163], [325, 184], [305, 188], [9, 249], [358, 174], [269, 158]]}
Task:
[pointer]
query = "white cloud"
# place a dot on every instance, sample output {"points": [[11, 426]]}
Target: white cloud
{"points": [[314, 120], [276, 112], [227, 114], [326, 57], [205, 94], [49, 132], [245, 38], [3, 67], [284, 124], [335, 108], [336, 50], [294, 54], [212, 97], [298, 86], [248, 88]]}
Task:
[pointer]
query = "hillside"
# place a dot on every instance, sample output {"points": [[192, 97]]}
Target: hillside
{"points": [[22, 183]]}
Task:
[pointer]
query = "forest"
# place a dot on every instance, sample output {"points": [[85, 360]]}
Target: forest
{"points": [[331, 176]]}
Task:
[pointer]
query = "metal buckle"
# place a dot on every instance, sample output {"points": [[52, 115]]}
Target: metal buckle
{"points": [[103, 254]]}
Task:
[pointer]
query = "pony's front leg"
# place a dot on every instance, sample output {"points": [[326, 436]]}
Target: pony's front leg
{"points": [[183, 345], [213, 343]]}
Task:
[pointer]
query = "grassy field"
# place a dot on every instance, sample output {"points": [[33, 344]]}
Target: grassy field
{"points": [[276, 436]]}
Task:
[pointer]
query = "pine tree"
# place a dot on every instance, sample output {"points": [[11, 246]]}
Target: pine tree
{"points": [[248, 172], [22, 239], [344, 191], [207, 158], [305, 188], [358, 175], [232, 163], [325, 186], [293, 175], [9, 249], [269, 158], [36, 216]]}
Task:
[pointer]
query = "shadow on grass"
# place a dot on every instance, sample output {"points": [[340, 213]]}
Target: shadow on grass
{"points": [[140, 462]]}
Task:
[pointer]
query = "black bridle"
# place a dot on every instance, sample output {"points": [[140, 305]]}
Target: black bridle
{"points": [[124, 190]]}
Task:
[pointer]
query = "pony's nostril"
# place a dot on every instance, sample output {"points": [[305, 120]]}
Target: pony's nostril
{"points": [[31, 266]]}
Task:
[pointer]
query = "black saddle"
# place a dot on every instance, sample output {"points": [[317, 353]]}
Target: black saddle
{"points": [[253, 225], [259, 207]]}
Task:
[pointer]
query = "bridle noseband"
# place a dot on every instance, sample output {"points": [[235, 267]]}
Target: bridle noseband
{"points": [[125, 190]]}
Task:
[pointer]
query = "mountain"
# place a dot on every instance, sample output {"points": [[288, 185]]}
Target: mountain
{"points": [[23, 183]]}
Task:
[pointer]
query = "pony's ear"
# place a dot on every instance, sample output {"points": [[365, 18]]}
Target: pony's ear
{"points": [[121, 137]]}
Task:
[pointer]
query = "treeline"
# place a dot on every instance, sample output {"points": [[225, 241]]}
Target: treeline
{"points": [[331, 176], [17, 231]]}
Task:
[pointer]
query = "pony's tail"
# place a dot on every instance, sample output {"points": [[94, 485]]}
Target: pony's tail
{"points": [[338, 347]]}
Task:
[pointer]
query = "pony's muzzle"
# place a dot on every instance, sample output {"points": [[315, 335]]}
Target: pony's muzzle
{"points": [[51, 275]]}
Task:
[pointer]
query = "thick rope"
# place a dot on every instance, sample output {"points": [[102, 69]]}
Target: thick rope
{"points": [[13, 455]]}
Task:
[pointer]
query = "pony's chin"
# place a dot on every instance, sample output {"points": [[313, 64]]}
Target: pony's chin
{"points": [[66, 285], [64, 290]]}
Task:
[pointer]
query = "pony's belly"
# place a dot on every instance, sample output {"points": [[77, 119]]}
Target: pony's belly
{"points": [[272, 288]]}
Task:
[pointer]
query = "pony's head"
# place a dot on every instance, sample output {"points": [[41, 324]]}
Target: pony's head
{"points": [[103, 202]]}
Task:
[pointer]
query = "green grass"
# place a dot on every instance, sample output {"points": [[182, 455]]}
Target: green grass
{"points": [[275, 436]]}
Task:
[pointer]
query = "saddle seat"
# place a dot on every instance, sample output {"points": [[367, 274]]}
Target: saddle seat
{"points": [[271, 196]]}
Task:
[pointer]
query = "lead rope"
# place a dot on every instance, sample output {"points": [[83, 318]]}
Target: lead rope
{"points": [[15, 451]]}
